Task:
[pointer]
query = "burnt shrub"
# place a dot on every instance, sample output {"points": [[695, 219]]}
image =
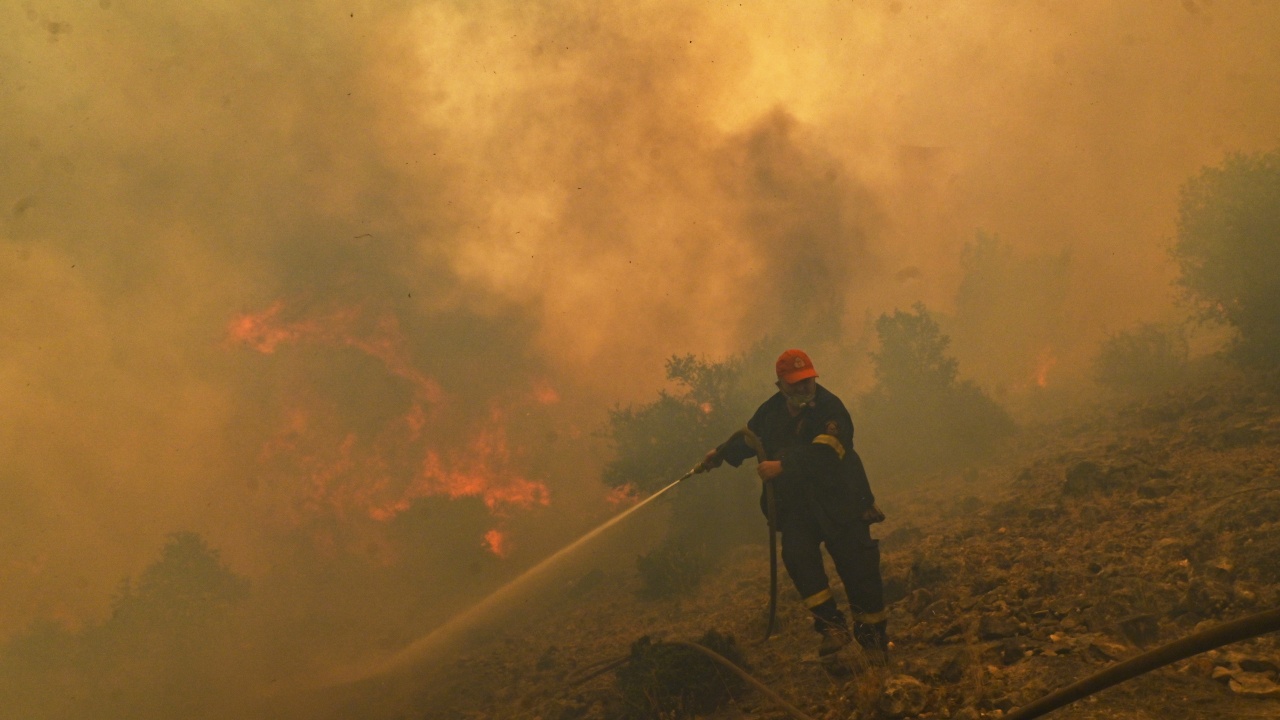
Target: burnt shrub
{"points": [[664, 681]]}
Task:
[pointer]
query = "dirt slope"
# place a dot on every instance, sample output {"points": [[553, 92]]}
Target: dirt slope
{"points": [[1091, 538]]}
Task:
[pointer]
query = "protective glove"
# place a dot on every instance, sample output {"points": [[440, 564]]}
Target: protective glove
{"points": [[711, 460]]}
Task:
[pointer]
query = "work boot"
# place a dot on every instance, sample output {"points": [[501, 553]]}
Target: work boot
{"points": [[874, 640], [834, 638]]}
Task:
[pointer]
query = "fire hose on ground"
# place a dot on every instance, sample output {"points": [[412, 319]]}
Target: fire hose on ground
{"points": [[1208, 639]]}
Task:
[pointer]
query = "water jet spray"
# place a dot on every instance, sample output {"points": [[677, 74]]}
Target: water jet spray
{"points": [[465, 621]]}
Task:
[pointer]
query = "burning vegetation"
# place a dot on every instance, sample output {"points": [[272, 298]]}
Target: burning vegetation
{"points": [[381, 474]]}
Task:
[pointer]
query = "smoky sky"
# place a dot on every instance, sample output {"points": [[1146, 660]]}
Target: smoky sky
{"points": [[528, 206]]}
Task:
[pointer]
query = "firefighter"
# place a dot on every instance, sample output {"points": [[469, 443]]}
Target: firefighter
{"points": [[822, 497]]}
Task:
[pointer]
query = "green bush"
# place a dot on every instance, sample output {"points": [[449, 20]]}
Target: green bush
{"points": [[672, 569], [1146, 357], [919, 417], [657, 442], [1228, 249]]}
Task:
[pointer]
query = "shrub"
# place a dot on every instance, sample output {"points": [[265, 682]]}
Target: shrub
{"points": [[659, 441], [918, 417], [164, 651], [1149, 356], [672, 569], [1228, 249], [656, 442]]}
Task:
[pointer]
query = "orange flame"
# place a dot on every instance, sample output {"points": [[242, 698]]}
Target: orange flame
{"points": [[623, 496], [496, 542], [1045, 362], [482, 472], [262, 333], [265, 331], [382, 475]]}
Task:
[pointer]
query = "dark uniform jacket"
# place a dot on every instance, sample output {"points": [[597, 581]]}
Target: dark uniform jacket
{"points": [[821, 474]]}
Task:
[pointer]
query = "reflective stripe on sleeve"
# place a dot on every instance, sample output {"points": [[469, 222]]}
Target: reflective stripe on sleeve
{"points": [[832, 442]]}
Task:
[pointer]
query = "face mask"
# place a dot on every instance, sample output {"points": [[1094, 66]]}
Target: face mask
{"points": [[800, 401]]}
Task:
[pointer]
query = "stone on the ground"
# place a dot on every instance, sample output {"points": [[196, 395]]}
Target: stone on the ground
{"points": [[1258, 685], [903, 696]]}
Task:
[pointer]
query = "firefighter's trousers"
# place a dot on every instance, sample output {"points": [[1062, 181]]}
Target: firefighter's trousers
{"points": [[857, 559]]}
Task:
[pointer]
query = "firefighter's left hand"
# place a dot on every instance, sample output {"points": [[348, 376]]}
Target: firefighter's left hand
{"points": [[769, 469]]}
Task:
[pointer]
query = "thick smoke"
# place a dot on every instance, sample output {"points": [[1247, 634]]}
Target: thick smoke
{"points": [[464, 230]]}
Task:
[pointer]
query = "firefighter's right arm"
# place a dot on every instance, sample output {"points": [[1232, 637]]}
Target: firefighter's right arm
{"points": [[712, 459], [733, 451]]}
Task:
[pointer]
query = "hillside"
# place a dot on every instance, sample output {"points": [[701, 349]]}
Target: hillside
{"points": [[1093, 537]]}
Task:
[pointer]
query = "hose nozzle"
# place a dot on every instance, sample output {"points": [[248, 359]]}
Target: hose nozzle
{"points": [[696, 470]]}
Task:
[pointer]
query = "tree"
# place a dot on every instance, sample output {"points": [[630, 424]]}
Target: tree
{"points": [[166, 651], [912, 355], [659, 441], [918, 417], [1228, 249], [187, 585]]}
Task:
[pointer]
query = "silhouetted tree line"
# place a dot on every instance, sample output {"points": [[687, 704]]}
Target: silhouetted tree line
{"points": [[163, 652]]}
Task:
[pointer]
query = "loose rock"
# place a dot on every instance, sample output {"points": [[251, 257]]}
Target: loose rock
{"points": [[903, 696]]}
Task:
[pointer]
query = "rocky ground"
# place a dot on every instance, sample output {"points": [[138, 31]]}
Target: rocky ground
{"points": [[1092, 538]]}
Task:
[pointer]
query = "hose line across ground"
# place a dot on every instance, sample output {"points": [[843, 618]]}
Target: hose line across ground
{"points": [[601, 668], [775, 697], [1209, 639]]}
